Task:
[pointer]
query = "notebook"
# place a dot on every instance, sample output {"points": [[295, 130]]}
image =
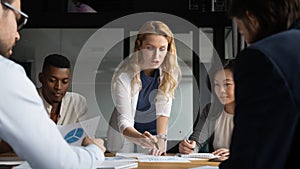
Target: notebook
{"points": [[205, 167], [198, 155], [10, 160], [118, 163], [132, 155], [108, 163]]}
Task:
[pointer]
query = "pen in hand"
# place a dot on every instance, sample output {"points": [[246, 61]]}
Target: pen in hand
{"points": [[156, 145], [189, 141]]}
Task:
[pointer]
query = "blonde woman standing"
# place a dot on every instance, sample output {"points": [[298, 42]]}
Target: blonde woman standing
{"points": [[143, 89]]}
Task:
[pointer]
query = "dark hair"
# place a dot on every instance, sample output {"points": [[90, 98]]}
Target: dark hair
{"points": [[273, 16], [56, 60], [226, 64]]}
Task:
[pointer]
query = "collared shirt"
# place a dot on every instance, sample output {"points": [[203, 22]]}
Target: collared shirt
{"points": [[73, 108], [26, 127]]}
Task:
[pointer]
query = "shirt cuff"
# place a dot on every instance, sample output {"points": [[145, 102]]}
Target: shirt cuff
{"points": [[96, 151]]}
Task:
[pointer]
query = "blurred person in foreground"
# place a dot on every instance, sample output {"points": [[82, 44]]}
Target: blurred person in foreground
{"points": [[267, 79], [24, 123]]}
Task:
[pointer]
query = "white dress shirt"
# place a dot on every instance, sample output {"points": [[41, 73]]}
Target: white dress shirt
{"points": [[25, 125], [73, 108]]}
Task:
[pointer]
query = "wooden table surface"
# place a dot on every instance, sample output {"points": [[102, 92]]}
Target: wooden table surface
{"points": [[194, 163], [175, 165], [156, 165]]}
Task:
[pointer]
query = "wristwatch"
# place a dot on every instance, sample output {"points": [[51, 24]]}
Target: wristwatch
{"points": [[161, 136]]}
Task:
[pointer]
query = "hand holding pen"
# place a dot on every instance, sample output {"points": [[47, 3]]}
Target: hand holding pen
{"points": [[145, 140], [155, 150], [187, 146]]}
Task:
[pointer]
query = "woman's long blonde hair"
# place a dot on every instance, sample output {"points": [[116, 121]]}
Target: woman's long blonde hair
{"points": [[171, 73]]}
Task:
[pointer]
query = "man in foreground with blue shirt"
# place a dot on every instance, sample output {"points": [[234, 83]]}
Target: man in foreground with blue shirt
{"points": [[24, 123]]}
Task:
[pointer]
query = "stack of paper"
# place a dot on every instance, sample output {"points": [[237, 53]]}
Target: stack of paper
{"points": [[131, 155], [151, 158], [198, 155], [118, 163], [10, 161], [205, 167], [168, 159]]}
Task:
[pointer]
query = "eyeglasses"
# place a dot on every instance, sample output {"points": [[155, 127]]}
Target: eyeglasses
{"points": [[21, 16]]}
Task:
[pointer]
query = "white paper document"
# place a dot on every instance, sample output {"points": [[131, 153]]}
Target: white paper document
{"points": [[198, 155], [120, 159], [168, 159], [24, 165], [74, 133], [10, 160], [205, 167], [110, 164], [132, 155], [118, 163]]}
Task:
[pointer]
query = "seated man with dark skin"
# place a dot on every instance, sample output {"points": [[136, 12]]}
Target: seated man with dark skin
{"points": [[62, 106]]}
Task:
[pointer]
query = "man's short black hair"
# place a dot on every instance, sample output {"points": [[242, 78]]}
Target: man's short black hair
{"points": [[56, 60]]}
